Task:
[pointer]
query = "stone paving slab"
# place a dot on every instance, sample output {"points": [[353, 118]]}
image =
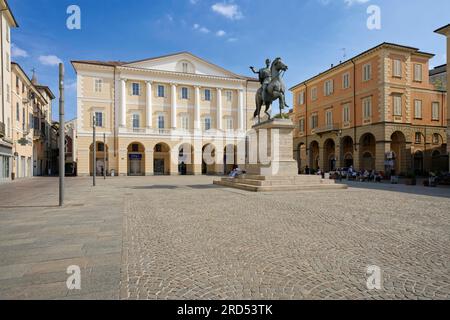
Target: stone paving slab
{"points": [[39, 241]]}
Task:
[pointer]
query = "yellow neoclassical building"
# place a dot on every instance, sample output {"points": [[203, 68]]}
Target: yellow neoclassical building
{"points": [[159, 116], [31, 126]]}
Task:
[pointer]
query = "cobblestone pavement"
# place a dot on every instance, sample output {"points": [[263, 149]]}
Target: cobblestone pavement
{"points": [[182, 238], [203, 242]]}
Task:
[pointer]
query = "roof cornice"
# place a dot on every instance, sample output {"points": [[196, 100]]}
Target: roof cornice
{"points": [[121, 65], [15, 65], [182, 74], [445, 30], [10, 15], [384, 45]]}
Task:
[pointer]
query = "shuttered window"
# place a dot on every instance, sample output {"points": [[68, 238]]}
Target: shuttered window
{"points": [[397, 105], [397, 69], [418, 109]]}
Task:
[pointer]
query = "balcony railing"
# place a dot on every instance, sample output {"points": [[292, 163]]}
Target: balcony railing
{"points": [[327, 128], [178, 131], [145, 131], [138, 130]]}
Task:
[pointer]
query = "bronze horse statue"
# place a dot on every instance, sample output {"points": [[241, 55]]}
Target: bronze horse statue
{"points": [[275, 90]]}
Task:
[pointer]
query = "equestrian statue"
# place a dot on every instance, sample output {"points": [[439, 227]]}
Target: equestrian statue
{"points": [[272, 87]]}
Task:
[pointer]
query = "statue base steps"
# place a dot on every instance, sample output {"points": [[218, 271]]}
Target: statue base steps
{"points": [[258, 183], [275, 138]]}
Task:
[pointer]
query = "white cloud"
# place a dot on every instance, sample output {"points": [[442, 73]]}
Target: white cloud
{"points": [[16, 52], [352, 2], [349, 3], [228, 10], [220, 33], [50, 60], [232, 40], [194, 1]]}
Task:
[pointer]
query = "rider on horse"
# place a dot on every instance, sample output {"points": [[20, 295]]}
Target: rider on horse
{"points": [[265, 77]]}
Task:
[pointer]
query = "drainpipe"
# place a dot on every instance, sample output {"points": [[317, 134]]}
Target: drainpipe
{"points": [[1, 63], [354, 107]]}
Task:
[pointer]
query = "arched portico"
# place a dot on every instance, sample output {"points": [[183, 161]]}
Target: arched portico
{"points": [[329, 155], [186, 159], [301, 157], [314, 153], [229, 158], [161, 159], [418, 162], [347, 152], [136, 159], [398, 147], [208, 159], [367, 152]]}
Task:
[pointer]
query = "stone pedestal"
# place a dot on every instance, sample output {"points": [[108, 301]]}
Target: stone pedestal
{"points": [[271, 166], [274, 145]]}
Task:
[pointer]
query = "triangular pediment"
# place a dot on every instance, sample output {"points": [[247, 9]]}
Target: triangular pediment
{"points": [[183, 62]]}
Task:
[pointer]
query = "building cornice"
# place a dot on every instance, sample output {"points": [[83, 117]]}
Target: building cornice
{"points": [[445, 30], [16, 67], [5, 7], [180, 74], [384, 45], [91, 65]]}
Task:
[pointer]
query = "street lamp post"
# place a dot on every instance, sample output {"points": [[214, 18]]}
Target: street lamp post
{"points": [[104, 156], [94, 147]]}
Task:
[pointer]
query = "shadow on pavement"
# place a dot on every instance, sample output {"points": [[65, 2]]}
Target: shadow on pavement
{"points": [[156, 187], [441, 191], [204, 186], [42, 206]]}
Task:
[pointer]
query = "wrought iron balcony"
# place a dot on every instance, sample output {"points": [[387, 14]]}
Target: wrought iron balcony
{"points": [[326, 129]]}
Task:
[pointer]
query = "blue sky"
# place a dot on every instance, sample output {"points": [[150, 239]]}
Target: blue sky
{"points": [[309, 35]]}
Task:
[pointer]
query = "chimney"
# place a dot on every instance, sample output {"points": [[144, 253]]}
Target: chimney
{"points": [[34, 78]]}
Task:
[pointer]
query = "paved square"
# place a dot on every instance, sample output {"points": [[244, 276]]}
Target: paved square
{"points": [[182, 237]]}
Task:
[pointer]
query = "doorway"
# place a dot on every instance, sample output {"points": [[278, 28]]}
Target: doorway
{"points": [[158, 165], [135, 167], [100, 167]]}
